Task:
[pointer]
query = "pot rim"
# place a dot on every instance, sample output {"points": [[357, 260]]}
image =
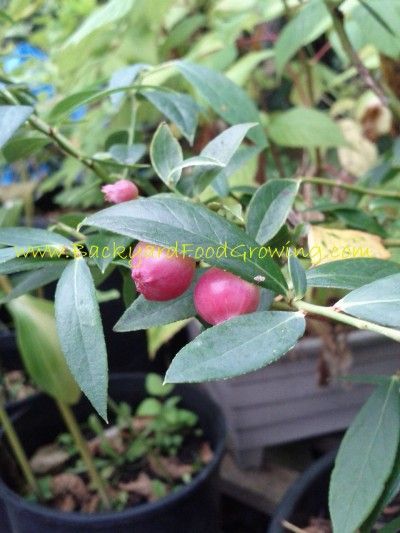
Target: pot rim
{"points": [[140, 511]]}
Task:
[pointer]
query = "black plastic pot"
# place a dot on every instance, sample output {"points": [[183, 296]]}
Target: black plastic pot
{"points": [[193, 508], [307, 497]]}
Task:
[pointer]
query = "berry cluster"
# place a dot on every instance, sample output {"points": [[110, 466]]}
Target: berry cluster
{"points": [[218, 295]]}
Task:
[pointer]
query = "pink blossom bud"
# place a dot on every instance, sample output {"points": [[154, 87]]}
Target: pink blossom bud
{"points": [[220, 295], [160, 274], [120, 191]]}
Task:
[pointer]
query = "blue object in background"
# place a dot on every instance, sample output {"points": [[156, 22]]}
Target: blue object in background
{"points": [[23, 51]]}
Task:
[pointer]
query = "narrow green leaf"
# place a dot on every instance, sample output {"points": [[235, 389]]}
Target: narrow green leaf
{"points": [[298, 276], [25, 264], [125, 154], [378, 302], [391, 527], [350, 273], [178, 108], [106, 14], [309, 23], [6, 254], [40, 349], [170, 221], [305, 127], [22, 147], [11, 118], [157, 336], [269, 208], [237, 346], [25, 237], [227, 99], [40, 277], [166, 155], [365, 459], [81, 333], [122, 78], [219, 152]]}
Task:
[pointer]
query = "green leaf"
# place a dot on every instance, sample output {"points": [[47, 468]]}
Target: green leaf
{"points": [[103, 247], [227, 99], [237, 346], [378, 301], [65, 106], [143, 314], [165, 155], [309, 23], [154, 386], [31, 237], [217, 153], [391, 527], [355, 218], [122, 78], [106, 14], [391, 490], [350, 273], [81, 333], [40, 277], [40, 349], [149, 407], [242, 69], [157, 336], [170, 221], [125, 154], [22, 147], [269, 208], [10, 214], [11, 118], [304, 127], [178, 108], [6, 254], [365, 459], [25, 264], [298, 277]]}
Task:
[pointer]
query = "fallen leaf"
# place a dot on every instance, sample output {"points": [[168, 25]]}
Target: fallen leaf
{"points": [[206, 453], [169, 467], [141, 486], [70, 484], [48, 458]]}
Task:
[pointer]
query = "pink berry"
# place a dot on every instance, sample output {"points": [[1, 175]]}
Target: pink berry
{"points": [[220, 295], [120, 191], [160, 274]]}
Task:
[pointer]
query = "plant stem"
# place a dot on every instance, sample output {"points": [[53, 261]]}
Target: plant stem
{"points": [[329, 312], [5, 285], [19, 452], [131, 131], [351, 53], [84, 451], [59, 139], [352, 188], [391, 242]]}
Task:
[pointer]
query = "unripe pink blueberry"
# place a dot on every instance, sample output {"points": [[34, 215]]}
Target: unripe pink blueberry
{"points": [[120, 191], [220, 295], [160, 274]]}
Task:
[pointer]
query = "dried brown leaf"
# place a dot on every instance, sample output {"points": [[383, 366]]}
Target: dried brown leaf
{"points": [[48, 458]]}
